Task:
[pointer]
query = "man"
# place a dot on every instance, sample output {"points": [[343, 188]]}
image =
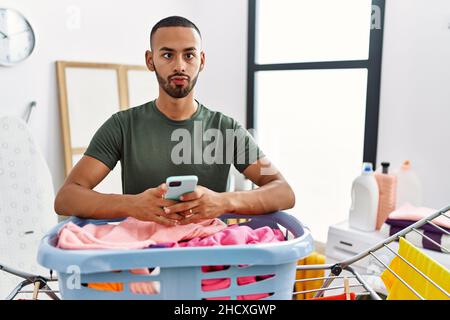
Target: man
{"points": [[146, 141]]}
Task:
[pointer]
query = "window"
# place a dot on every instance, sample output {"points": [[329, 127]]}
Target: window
{"points": [[314, 75]]}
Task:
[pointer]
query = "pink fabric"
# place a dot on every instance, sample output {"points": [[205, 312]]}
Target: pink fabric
{"points": [[142, 287], [234, 235], [219, 284], [132, 234], [412, 213]]}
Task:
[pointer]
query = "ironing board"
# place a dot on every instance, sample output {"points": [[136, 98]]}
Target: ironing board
{"points": [[26, 201]]}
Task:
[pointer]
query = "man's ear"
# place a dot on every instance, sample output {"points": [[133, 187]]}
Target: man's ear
{"points": [[202, 60], [149, 60]]}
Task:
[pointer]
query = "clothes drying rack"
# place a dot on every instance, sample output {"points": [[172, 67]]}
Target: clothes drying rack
{"points": [[41, 283], [335, 270]]}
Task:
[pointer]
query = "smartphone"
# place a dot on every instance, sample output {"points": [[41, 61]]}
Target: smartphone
{"points": [[179, 185]]}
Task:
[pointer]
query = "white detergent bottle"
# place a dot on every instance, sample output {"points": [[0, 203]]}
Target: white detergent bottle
{"points": [[409, 187], [365, 195]]}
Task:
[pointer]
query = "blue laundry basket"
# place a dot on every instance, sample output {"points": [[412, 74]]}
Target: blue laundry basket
{"points": [[177, 271]]}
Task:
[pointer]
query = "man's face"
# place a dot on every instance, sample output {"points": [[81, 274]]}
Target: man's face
{"points": [[177, 59]]}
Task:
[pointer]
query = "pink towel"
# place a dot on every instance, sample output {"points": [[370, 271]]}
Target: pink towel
{"points": [[412, 213], [132, 234]]}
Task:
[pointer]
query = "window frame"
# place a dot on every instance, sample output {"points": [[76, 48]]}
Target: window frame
{"points": [[372, 64]]}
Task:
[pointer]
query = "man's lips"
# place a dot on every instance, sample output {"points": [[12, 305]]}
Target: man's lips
{"points": [[178, 80]]}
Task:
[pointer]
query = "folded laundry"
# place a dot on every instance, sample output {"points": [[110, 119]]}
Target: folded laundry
{"points": [[406, 223], [419, 238], [412, 213]]}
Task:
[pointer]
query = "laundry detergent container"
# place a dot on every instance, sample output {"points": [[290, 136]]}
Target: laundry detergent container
{"points": [[178, 273]]}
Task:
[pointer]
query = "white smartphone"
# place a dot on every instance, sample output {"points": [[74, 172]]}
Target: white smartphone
{"points": [[179, 185]]}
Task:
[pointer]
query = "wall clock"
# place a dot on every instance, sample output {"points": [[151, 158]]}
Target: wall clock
{"points": [[17, 39]]}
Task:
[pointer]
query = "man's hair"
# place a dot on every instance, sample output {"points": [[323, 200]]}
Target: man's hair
{"points": [[173, 21]]}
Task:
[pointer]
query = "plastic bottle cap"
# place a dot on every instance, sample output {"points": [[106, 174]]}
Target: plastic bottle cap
{"points": [[406, 164], [385, 166], [367, 167]]}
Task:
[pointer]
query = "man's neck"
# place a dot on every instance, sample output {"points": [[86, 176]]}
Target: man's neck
{"points": [[177, 109]]}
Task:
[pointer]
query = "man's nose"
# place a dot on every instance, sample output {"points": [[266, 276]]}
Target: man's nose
{"points": [[180, 64]]}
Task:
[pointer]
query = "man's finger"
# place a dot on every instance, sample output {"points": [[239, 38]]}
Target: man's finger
{"points": [[161, 190], [165, 221], [183, 206], [185, 214], [166, 202], [192, 219], [162, 218], [191, 195], [173, 216]]}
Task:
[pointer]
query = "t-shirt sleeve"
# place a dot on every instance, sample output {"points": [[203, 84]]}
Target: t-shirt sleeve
{"points": [[246, 150], [106, 144]]}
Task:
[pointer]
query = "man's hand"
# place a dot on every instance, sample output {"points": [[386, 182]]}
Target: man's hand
{"points": [[148, 206], [199, 205]]}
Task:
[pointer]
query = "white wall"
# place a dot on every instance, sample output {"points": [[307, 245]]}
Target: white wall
{"points": [[118, 32], [224, 29], [415, 93]]}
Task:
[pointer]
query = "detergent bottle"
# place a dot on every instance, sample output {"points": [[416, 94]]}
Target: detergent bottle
{"points": [[365, 196], [387, 186], [409, 187]]}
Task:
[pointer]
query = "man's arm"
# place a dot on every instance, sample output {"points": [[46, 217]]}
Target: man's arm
{"points": [[273, 194], [76, 197]]}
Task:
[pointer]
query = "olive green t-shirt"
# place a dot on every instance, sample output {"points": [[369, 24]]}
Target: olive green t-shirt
{"points": [[151, 147]]}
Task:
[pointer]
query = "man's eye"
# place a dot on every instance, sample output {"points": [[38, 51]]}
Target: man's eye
{"points": [[166, 54], [191, 55]]}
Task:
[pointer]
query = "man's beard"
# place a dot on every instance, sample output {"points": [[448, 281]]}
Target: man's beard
{"points": [[178, 91]]}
